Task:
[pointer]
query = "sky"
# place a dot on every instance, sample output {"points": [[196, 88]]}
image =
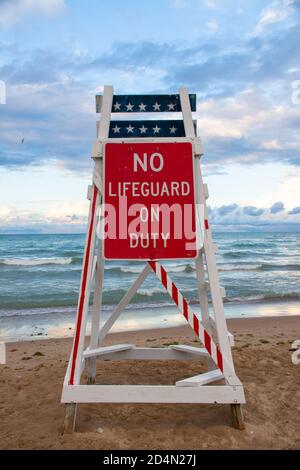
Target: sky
{"points": [[241, 58]]}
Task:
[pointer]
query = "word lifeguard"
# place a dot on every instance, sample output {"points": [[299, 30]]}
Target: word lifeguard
{"points": [[146, 188], [149, 201]]}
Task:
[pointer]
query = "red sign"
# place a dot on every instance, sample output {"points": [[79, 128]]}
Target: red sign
{"points": [[149, 202]]}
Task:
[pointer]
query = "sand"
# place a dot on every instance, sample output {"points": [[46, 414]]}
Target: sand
{"points": [[31, 415]]}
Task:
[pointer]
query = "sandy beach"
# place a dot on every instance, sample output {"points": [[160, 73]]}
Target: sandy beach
{"points": [[31, 415]]}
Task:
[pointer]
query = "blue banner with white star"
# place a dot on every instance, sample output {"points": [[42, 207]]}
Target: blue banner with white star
{"points": [[165, 128], [146, 103]]}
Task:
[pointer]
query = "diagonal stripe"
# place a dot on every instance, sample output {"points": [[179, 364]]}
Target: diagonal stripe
{"points": [[207, 341], [185, 308], [163, 277], [193, 320], [174, 293], [196, 325]]}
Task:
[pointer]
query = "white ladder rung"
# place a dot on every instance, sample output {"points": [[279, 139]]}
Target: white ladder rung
{"points": [[201, 379], [106, 350], [189, 349]]}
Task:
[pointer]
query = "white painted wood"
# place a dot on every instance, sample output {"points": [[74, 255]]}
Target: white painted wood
{"points": [[96, 310], [124, 302], [97, 148], [201, 379], [189, 349], [186, 112], [68, 371], [215, 247], [106, 350], [98, 175], [97, 300], [89, 192], [198, 147], [77, 373], [206, 192], [98, 103], [214, 327], [107, 100], [199, 262], [217, 301], [223, 292], [152, 354], [202, 289], [2, 353], [152, 394]]}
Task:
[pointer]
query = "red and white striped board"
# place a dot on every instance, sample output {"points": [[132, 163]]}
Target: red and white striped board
{"points": [[193, 320]]}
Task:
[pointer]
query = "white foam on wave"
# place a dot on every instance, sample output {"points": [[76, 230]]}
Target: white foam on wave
{"points": [[35, 261], [236, 267]]}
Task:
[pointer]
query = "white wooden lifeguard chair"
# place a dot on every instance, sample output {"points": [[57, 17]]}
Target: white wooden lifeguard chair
{"points": [[210, 327]]}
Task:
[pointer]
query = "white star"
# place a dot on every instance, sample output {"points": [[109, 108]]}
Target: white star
{"points": [[129, 129], [156, 107], [117, 106], [143, 129], [129, 107], [173, 130], [171, 106], [142, 107], [116, 129], [156, 129]]}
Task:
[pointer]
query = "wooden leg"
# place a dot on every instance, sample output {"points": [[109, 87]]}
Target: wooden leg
{"points": [[91, 371], [237, 416], [70, 418]]}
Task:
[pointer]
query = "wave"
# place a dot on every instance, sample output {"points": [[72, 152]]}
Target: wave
{"points": [[264, 297], [243, 253], [248, 267], [124, 269], [34, 261], [142, 303], [279, 267], [138, 269]]}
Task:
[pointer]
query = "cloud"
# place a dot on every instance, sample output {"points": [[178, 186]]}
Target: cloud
{"points": [[212, 25], [295, 211], [276, 12], [236, 217], [210, 4], [277, 207], [271, 145], [71, 216], [178, 3], [224, 210], [253, 211], [244, 96], [13, 11]]}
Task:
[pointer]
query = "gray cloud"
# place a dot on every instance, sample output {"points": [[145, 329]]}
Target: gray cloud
{"points": [[253, 211], [295, 211], [50, 95], [277, 207], [224, 210]]}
